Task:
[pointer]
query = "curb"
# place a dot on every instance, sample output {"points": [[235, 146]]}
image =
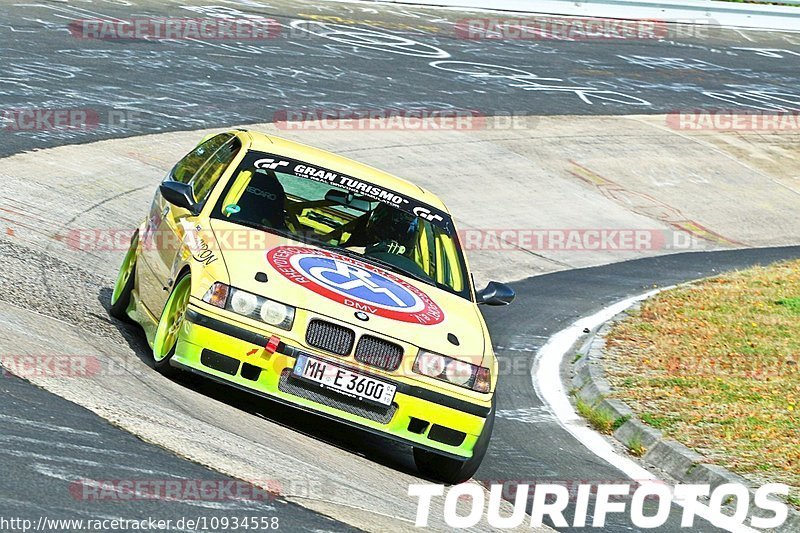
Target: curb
{"points": [[713, 12], [678, 461]]}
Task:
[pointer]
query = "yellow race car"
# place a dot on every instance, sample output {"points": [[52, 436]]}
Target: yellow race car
{"points": [[313, 280]]}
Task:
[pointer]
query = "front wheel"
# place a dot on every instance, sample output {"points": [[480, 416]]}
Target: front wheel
{"points": [[169, 326], [123, 287], [453, 471]]}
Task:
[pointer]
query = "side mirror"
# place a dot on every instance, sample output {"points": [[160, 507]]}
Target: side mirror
{"points": [[178, 194], [496, 294]]}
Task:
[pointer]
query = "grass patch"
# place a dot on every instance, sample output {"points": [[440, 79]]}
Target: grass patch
{"points": [[657, 421], [715, 366], [635, 447], [619, 421], [792, 304], [599, 419]]}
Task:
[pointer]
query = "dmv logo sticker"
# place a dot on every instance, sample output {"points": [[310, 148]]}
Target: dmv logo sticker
{"points": [[355, 284]]}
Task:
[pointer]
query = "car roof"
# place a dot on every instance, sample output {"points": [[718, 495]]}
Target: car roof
{"points": [[329, 160]]}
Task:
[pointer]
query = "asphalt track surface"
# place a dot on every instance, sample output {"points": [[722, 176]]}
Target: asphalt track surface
{"points": [[49, 445], [190, 85], [333, 55]]}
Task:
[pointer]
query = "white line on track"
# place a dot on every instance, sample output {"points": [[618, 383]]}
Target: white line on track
{"points": [[546, 376]]}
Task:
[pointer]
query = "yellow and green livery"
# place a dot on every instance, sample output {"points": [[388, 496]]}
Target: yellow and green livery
{"points": [[313, 280]]}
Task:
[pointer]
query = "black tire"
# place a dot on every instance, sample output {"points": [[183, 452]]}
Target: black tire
{"points": [[119, 308], [452, 471], [164, 368]]}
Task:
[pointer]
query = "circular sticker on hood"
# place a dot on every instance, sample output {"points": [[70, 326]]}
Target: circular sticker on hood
{"points": [[356, 284]]}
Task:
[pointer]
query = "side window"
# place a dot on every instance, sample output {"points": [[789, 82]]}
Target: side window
{"points": [[208, 175], [187, 167]]}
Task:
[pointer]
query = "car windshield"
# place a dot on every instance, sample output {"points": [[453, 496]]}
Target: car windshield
{"points": [[321, 207]]}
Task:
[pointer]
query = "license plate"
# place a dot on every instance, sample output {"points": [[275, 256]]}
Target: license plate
{"points": [[344, 381]]}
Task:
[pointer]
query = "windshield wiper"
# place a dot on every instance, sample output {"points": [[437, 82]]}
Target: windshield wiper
{"points": [[394, 268]]}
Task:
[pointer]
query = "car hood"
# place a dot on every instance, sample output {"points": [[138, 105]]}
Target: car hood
{"points": [[327, 283]]}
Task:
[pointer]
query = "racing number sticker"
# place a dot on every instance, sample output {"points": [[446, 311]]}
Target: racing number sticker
{"points": [[355, 284]]}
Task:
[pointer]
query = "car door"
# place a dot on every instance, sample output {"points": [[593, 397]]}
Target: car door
{"points": [[164, 233]]}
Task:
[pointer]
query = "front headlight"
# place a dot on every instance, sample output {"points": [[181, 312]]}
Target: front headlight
{"points": [[243, 303], [459, 372], [430, 364], [453, 371], [277, 314], [250, 305]]}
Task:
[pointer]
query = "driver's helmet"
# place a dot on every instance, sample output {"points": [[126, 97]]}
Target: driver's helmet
{"points": [[387, 224]]}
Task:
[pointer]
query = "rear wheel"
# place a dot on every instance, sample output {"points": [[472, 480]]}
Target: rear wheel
{"points": [[169, 326], [448, 470], [123, 287]]}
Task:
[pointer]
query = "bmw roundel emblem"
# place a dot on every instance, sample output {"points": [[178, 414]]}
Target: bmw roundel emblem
{"points": [[368, 289]]}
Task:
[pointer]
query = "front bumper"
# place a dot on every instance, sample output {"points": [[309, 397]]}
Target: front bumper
{"points": [[236, 355]]}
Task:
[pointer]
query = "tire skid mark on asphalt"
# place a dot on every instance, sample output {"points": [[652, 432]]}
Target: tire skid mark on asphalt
{"points": [[74, 460], [46, 426], [101, 203], [466, 226], [69, 477], [646, 205], [522, 343], [528, 415], [11, 439]]}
